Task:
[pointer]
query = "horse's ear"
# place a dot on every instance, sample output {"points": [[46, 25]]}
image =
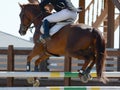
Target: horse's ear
{"points": [[21, 5]]}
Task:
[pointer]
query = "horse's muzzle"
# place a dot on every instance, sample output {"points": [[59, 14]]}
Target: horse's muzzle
{"points": [[22, 31]]}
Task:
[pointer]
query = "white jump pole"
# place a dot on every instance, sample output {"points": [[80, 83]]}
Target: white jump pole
{"points": [[52, 74], [64, 88]]}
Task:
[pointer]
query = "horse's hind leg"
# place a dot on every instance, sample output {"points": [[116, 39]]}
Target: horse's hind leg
{"points": [[82, 72], [85, 71], [85, 65], [90, 67]]}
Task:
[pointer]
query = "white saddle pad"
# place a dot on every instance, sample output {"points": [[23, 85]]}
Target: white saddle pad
{"points": [[55, 28]]}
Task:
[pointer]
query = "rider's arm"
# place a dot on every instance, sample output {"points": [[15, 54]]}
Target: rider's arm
{"points": [[71, 7]]}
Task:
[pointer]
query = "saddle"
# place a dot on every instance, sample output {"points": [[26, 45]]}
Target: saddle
{"points": [[55, 27]]}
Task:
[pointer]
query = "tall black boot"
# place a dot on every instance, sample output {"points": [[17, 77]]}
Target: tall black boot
{"points": [[46, 29], [45, 37]]}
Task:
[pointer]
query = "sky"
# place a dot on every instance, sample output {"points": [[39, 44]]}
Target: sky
{"points": [[9, 17], [10, 21]]}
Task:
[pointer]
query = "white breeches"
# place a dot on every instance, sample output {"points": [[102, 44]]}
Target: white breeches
{"points": [[65, 14], [62, 15]]}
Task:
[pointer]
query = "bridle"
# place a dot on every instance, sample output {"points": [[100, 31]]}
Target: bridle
{"points": [[28, 26]]}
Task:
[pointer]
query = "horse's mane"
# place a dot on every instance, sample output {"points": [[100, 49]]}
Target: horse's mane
{"points": [[33, 7]]}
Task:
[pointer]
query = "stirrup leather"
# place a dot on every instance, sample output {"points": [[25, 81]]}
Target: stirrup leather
{"points": [[41, 39]]}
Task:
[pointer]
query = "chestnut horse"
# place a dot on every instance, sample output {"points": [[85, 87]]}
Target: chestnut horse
{"points": [[74, 40]]}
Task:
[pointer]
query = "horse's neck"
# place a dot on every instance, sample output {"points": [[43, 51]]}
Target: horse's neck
{"points": [[36, 35], [37, 32], [37, 24]]}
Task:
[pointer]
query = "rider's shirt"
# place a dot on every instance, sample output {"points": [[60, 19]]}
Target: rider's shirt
{"points": [[57, 4]]}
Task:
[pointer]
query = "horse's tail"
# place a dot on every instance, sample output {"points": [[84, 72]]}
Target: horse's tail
{"points": [[100, 55]]}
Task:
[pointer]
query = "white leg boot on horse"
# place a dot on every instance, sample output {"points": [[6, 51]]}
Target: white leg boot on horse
{"points": [[84, 73], [35, 80]]}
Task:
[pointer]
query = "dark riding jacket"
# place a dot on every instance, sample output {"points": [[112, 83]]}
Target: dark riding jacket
{"points": [[57, 4]]}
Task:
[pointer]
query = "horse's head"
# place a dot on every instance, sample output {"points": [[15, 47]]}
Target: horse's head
{"points": [[30, 13]]}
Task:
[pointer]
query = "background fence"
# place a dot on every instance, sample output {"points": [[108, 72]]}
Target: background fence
{"points": [[14, 59]]}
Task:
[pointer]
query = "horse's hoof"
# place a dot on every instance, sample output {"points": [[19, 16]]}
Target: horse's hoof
{"points": [[36, 83], [84, 78], [30, 80], [89, 77]]}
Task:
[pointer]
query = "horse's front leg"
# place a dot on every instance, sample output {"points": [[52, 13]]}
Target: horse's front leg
{"points": [[30, 80], [35, 80], [29, 58], [35, 52], [39, 60]]}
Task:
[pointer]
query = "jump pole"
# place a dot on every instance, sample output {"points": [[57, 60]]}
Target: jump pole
{"points": [[52, 74], [64, 88]]}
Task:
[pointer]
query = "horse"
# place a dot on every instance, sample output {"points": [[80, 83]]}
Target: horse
{"points": [[73, 40]]}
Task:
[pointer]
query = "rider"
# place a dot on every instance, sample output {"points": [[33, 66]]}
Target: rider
{"points": [[64, 11]]}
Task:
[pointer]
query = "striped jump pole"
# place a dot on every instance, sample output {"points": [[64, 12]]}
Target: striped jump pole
{"points": [[64, 88], [52, 74]]}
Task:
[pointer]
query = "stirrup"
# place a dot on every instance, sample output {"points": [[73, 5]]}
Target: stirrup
{"points": [[41, 39], [44, 40]]}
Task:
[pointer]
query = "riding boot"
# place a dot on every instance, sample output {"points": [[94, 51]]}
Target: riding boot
{"points": [[45, 37]]}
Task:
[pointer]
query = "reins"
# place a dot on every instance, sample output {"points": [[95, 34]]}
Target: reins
{"points": [[29, 25]]}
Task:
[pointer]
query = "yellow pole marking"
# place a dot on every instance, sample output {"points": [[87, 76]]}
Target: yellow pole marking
{"points": [[55, 74], [94, 74], [54, 88], [95, 88]]}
